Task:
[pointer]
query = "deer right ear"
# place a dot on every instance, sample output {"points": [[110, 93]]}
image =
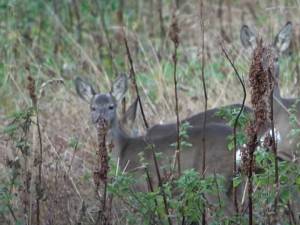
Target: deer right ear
{"points": [[120, 86], [248, 37], [84, 89], [283, 38]]}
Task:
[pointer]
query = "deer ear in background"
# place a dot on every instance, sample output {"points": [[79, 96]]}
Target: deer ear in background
{"points": [[283, 39], [248, 37], [84, 89]]}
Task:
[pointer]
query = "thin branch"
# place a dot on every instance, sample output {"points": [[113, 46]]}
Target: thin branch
{"points": [[205, 101], [274, 150], [174, 36], [133, 76], [235, 125], [160, 183], [151, 189]]}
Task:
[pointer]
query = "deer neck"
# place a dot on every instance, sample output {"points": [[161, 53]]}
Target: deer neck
{"points": [[118, 138], [276, 92]]}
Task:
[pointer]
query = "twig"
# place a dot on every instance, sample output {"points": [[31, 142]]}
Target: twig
{"points": [[150, 185], [291, 213], [274, 148], [11, 211], [218, 190], [133, 76], [235, 126], [204, 89], [205, 102], [160, 184]]}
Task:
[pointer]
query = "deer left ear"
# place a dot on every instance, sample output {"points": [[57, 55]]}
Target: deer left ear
{"points": [[283, 38], [120, 86], [84, 89], [248, 37]]}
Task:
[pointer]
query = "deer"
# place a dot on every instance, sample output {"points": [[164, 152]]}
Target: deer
{"points": [[248, 39], [286, 148], [103, 106], [281, 105]]}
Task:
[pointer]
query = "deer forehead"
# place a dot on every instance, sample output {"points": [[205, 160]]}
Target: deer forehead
{"points": [[103, 100]]}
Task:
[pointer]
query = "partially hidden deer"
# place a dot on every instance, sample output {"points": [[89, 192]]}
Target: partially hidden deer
{"points": [[281, 105], [287, 148], [103, 106]]}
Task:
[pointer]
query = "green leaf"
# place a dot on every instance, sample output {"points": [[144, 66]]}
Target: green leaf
{"points": [[237, 181]]}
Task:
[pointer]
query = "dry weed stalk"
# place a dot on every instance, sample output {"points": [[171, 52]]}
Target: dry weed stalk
{"points": [[261, 92], [101, 172], [39, 157], [174, 36]]}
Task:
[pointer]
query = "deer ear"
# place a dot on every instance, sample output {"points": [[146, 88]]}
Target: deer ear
{"points": [[84, 89], [283, 38], [120, 86], [248, 37]]}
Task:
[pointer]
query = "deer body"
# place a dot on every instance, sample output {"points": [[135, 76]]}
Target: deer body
{"points": [[196, 120], [129, 148], [287, 148]]}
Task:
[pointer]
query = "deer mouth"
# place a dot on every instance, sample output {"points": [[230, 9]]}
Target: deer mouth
{"points": [[101, 125]]}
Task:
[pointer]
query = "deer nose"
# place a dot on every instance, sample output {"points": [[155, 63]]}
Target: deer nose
{"points": [[101, 115]]}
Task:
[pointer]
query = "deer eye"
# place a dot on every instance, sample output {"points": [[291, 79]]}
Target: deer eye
{"points": [[111, 107], [93, 108]]}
